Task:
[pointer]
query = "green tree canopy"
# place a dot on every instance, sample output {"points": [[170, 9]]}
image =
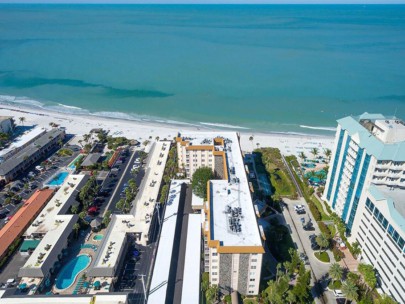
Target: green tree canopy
{"points": [[322, 240], [369, 277], [349, 289], [335, 272], [199, 181]]}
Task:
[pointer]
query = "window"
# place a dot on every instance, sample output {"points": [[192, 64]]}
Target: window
{"points": [[252, 273], [214, 279], [214, 253], [252, 280], [253, 267], [251, 286], [214, 261], [215, 273], [251, 291], [254, 260], [214, 267]]}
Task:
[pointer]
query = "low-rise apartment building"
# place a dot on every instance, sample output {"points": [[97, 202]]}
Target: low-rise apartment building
{"points": [[21, 161]]}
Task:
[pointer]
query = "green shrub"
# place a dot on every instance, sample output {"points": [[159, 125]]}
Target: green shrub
{"points": [[322, 256], [324, 229], [315, 212], [335, 285], [337, 254]]}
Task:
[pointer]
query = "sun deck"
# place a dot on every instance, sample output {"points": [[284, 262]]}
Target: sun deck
{"points": [[59, 204]]}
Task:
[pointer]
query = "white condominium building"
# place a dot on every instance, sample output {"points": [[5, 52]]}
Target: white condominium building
{"points": [[366, 188], [233, 248]]}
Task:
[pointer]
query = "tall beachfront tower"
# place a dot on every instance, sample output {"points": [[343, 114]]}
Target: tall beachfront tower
{"points": [[233, 249], [366, 188]]}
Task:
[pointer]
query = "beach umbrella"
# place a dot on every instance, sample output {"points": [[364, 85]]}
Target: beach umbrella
{"points": [[97, 284], [22, 286], [86, 284]]}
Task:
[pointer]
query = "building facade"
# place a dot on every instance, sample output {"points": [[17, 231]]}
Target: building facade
{"points": [[366, 188], [233, 248], [21, 161]]}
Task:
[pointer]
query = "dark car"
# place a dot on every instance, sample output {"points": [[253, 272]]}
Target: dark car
{"points": [[301, 211], [104, 193]]}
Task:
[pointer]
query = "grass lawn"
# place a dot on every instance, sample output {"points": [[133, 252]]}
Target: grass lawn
{"points": [[250, 301], [335, 285], [323, 256], [319, 206], [268, 161]]}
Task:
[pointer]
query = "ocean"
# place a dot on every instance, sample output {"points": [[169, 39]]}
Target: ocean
{"points": [[268, 68]]}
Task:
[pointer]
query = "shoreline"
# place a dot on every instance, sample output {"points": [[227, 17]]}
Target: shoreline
{"points": [[79, 124]]}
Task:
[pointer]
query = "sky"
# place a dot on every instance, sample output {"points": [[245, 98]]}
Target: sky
{"points": [[214, 1]]}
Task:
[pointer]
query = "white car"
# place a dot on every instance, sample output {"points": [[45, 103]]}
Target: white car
{"points": [[298, 207], [338, 293]]}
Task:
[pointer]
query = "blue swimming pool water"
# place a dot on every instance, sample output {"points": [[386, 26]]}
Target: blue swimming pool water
{"points": [[98, 237], [69, 272], [72, 165], [58, 179]]}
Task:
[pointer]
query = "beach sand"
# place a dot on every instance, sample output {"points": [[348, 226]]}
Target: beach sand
{"points": [[81, 124]]}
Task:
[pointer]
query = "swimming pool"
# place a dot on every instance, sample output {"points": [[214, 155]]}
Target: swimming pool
{"points": [[98, 237], [58, 179], [72, 165], [69, 272]]}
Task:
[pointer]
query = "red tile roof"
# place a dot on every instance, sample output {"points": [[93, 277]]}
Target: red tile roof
{"points": [[23, 217]]}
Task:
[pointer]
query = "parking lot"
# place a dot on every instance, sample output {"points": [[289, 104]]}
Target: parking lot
{"points": [[302, 240], [33, 183]]}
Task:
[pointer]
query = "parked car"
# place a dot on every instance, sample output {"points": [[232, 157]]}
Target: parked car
{"points": [[338, 293], [298, 207]]}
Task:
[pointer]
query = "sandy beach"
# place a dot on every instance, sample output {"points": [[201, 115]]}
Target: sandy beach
{"points": [[81, 124]]}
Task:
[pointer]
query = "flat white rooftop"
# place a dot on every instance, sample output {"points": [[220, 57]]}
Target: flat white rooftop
{"points": [[120, 225], [161, 270], [191, 278], [49, 241], [59, 204], [21, 140], [228, 195], [85, 299], [145, 201]]}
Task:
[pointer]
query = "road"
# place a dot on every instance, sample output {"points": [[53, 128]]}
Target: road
{"points": [[301, 239]]}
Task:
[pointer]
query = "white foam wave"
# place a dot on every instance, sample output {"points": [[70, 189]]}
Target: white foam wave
{"points": [[69, 107], [117, 115], [222, 125], [21, 100], [318, 128]]}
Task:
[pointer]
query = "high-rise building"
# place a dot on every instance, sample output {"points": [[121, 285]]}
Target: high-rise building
{"points": [[366, 188], [233, 249]]}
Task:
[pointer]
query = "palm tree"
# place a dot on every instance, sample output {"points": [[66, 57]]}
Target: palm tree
{"points": [[302, 156], [157, 138], [335, 272], [86, 137], [314, 152], [327, 153], [22, 119], [323, 241], [80, 142], [251, 140], [76, 228], [258, 144], [349, 289]]}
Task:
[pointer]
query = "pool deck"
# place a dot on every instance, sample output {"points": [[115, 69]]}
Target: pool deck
{"points": [[88, 251]]}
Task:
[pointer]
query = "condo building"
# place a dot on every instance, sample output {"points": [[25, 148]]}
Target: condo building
{"points": [[233, 248], [366, 188]]}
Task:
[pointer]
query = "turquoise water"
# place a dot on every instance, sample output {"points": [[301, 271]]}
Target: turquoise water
{"points": [[68, 274], [268, 68], [72, 164], [98, 237], [58, 179]]}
